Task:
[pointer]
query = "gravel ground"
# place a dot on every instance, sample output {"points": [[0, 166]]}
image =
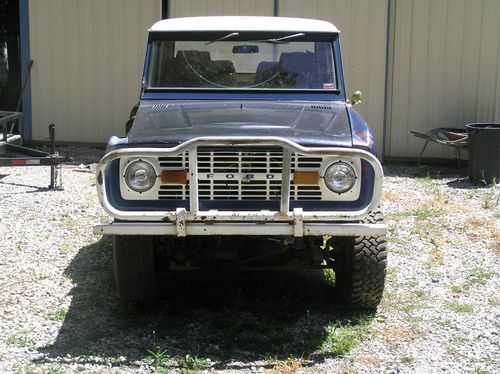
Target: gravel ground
{"points": [[59, 311]]}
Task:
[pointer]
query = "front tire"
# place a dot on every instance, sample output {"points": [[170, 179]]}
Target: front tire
{"points": [[360, 265], [135, 269]]}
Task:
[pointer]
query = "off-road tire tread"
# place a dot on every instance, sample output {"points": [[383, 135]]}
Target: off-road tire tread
{"points": [[369, 264]]}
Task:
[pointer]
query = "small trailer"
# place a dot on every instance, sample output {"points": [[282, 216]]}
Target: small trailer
{"points": [[13, 153]]}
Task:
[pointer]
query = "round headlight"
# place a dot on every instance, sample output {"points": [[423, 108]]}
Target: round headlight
{"points": [[340, 177], [140, 176]]}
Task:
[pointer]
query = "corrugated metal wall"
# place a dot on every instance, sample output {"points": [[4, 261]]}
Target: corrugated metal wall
{"points": [[443, 67], [88, 57], [446, 70], [189, 8]]}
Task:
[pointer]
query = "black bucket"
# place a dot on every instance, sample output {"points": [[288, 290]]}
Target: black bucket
{"points": [[484, 152]]}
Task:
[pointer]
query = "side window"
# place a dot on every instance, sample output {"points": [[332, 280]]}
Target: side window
{"points": [[161, 61]]}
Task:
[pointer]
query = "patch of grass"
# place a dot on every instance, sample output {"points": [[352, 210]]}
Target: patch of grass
{"points": [[426, 213], [481, 371], [343, 337], [57, 315], [21, 339], [472, 193], [407, 360], [64, 248], [158, 358], [424, 179], [434, 273], [458, 289], [340, 339], [423, 295], [489, 201], [447, 323], [421, 214], [458, 307], [329, 276], [401, 251], [68, 219], [191, 364], [479, 276], [394, 238], [409, 306]]}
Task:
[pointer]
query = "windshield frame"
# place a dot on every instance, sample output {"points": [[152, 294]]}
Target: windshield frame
{"points": [[337, 93]]}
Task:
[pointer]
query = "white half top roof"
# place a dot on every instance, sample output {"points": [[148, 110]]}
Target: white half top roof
{"points": [[244, 23]]}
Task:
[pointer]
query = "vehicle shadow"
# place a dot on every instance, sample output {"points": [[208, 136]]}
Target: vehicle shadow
{"points": [[34, 188], [226, 317], [457, 178], [409, 170]]}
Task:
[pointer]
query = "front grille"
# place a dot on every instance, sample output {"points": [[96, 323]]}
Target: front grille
{"points": [[243, 174]]}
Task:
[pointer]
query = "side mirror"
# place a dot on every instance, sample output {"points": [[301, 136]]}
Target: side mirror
{"points": [[356, 97]]}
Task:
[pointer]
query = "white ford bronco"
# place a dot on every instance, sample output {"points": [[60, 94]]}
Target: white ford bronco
{"points": [[244, 150]]}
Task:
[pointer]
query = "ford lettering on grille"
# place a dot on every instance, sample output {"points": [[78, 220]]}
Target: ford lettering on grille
{"points": [[239, 176]]}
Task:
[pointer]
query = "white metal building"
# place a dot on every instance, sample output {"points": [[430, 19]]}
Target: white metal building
{"points": [[421, 64]]}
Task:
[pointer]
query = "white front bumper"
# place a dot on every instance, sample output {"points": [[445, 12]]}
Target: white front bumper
{"points": [[269, 229], [266, 223]]}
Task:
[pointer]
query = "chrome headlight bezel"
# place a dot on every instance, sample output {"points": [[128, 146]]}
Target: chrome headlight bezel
{"points": [[140, 169], [340, 177]]}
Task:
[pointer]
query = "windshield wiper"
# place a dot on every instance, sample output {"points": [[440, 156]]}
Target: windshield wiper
{"points": [[224, 38], [281, 40]]}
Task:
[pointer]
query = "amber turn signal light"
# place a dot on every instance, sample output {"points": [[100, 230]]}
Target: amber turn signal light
{"points": [[305, 177], [174, 176]]}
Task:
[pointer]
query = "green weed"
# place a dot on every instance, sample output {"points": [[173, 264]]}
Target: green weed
{"points": [[342, 338], [419, 213], [458, 289], [481, 371], [479, 276], [158, 357], [424, 179], [57, 315], [21, 339], [458, 307], [64, 248], [329, 276], [190, 364]]}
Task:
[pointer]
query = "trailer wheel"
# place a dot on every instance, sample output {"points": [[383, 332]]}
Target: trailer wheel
{"points": [[135, 269], [360, 266]]}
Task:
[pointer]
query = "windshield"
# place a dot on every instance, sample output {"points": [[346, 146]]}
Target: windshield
{"points": [[282, 63]]}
